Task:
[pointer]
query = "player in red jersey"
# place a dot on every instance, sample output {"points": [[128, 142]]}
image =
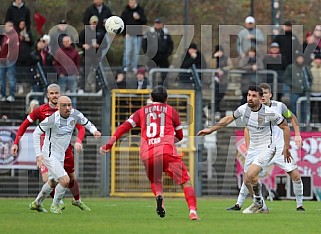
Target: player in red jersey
{"points": [[40, 113], [160, 129]]}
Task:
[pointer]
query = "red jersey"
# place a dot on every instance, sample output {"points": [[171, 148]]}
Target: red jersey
{"points": [[40, 114], [160, 129]]}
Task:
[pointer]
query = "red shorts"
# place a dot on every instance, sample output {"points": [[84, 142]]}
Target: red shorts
{"points": [[69, 163], [173, 166]]}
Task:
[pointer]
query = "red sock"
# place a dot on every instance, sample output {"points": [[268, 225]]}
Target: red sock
{"points": [[74, 189], [156, 188], [190, 198], [52, 194]]}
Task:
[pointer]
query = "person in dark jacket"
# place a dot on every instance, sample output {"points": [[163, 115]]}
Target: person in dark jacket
{"points": [[45, 60], [157, 45], [93, 43], [18, 11], [192, 56], [133, 14], [288, 42], [99, 9]]}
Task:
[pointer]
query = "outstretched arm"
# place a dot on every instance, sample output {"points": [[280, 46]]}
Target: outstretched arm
{"points": [[221, 124], [286, 135], [121, 130], [296, 127]]}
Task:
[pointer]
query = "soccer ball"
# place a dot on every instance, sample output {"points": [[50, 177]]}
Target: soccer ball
{"points": [[114, 25]]}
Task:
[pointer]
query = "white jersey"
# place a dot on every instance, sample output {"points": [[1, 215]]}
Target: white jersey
{"points": [[282, 109], [260, 123], [58, 132]]}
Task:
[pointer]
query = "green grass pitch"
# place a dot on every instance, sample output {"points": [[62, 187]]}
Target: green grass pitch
{"points": [[131, 215]]}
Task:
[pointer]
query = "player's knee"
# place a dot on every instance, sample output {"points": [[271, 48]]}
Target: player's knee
{"points": [[186, 184], [295, 175], [64, 181]]}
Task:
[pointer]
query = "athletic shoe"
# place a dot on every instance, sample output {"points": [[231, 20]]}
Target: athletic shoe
{"points": [[263, 210], [252, 208], [55, 209], [159, 208], [300, 208], [193, 216], [236, 207], [62, 206], [81, 205], [33, 206], [3, 99], [10, 98]]}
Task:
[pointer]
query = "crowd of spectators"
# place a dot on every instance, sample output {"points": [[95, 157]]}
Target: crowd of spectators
{"points": [[76, 64]]}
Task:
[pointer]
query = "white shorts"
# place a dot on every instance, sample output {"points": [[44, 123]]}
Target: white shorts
{"points": [[278, 160], [260, 157], [55, 167]]}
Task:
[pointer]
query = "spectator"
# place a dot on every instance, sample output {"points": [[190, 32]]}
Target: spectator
{"points": [[56, 37], [25, 46], [222, 64], [120, 80], [18, 11], [192, 56], [92, 42], [251, 63], [157, 45], [249, 37], [294, 78], [316, 87], [46, 39], [275, 61], [288, 42], [99, 9], [45, 59], [311, 45], [67, 66], [133, 14], [142, 81], [9, 41]]}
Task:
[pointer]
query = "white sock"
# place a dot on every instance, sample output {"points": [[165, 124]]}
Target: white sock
{"points": [[264, 205], [298, 192], [257, 189], [192, 211], [242, 194], [59, 194], [44, 192]]}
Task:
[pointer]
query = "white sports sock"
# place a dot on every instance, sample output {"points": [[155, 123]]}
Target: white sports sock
{"points": [[44, 192], [59, 194], [257, 189], [298, 191], [242, 194]]}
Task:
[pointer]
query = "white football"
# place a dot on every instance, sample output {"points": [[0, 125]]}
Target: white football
{"points": [[114, 25]]}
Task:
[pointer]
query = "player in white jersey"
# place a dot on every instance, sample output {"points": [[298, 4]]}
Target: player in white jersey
{"points": [[263, 143], [290, 168], [58, 129]]}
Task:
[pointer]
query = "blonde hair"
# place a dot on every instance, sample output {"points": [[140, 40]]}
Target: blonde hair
{"points": [[33, 105], [53, 86]]}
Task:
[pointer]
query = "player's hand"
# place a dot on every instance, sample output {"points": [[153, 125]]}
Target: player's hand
{"points": [[104, 150], [39, 161], [14, 150], [204, 132], [298, 141], [78, 146], [97, 134], [287, 156]]}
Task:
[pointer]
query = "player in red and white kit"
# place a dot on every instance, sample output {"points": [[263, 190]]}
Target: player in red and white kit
{"points": [[40, 113], [160, 128]]}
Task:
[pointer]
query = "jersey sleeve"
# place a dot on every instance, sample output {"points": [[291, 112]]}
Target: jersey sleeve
{"points": [[238, 112], [275, 117], [81, 133], [135, 119], [85, 122], [32, 117], [286, 113], [44, 126]]}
